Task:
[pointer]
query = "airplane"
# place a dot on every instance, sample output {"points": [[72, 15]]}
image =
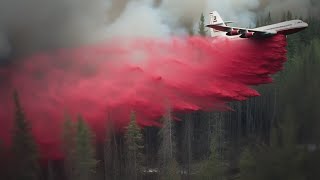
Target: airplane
{"points": [[221, 28]]}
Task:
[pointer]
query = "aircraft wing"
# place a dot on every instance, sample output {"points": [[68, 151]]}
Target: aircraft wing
{"points": [[241, 30]]}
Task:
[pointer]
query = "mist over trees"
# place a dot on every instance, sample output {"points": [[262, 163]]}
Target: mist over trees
{"points": [[272, 137]]}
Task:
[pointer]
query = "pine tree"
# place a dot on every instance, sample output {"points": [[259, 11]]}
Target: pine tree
{"points": [[202, 30], [284, 17], [134, 148], [168, 164], [268, 19], [85, 162], [24, 148], [68, 140], [289, 15]]}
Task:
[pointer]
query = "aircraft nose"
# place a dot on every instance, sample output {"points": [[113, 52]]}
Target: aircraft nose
{"points": [[305, 24]]}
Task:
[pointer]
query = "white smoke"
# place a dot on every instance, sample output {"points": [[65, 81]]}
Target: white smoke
{"points": [[35, 25], [139, 19], [299, 8], [240, 11]]}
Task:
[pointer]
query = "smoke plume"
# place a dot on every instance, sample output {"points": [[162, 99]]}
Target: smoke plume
{"points": [[32, 26], [298, 8]]}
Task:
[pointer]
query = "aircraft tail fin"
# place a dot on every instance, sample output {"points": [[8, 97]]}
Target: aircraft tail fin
{"points": [[216, 19]]}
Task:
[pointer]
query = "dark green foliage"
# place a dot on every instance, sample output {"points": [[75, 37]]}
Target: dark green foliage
{"points": [[215, 167], [266, 163], [284, 159], [68, 143], [134, 149], [275, 161], [293, 152], [172, 171], [299, 90], [24, 148], [202, 27], [85, 162], [268, 20], [78, 148]]}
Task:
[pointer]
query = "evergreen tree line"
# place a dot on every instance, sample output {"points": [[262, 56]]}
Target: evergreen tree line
{"points": [[274, 136]]}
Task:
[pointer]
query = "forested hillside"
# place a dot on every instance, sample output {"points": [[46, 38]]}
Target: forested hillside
{"points": [[273, 137]]}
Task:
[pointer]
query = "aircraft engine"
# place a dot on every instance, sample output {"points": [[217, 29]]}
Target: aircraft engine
{"points": [[247, 35], [233, 32]]}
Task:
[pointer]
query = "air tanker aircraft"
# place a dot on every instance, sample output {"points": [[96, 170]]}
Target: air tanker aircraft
{"points": [[221, 28]]}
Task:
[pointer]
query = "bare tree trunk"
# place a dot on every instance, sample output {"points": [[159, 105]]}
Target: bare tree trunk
{"points": [[111, 154], [50, 171], [107, 148], [115, 158], [168, 165], [188, 136]]}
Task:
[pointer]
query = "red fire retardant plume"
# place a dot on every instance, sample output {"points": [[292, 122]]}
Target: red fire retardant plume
{"points": [[109, 80]]}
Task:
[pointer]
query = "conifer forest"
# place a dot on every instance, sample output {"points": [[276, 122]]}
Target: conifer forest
{"points": [[274, 136]]}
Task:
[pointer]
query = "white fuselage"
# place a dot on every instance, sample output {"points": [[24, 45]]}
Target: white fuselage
{"points": [[285, 28]]}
